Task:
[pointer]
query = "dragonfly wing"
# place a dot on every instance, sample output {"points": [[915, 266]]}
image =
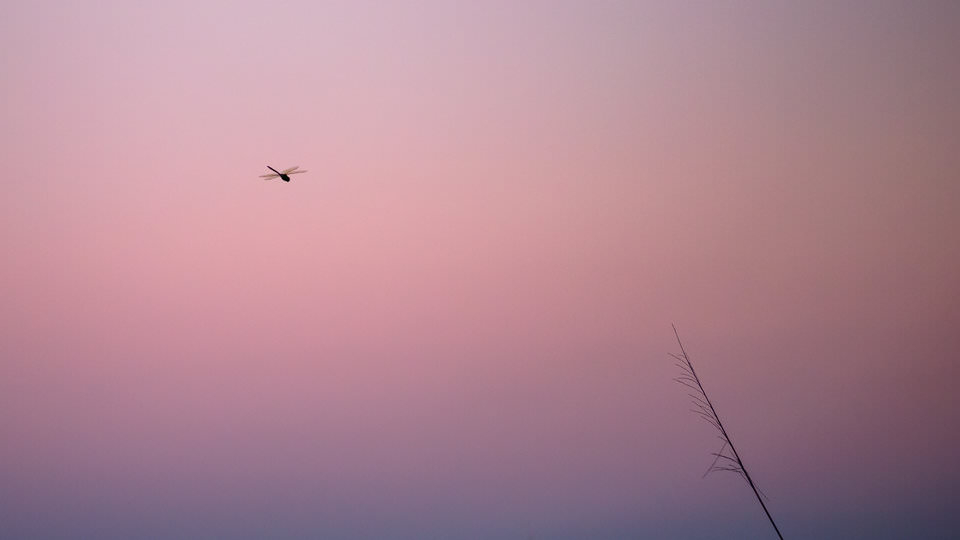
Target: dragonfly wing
{"points": [[269, 175], [296, 172], [287, 171]]}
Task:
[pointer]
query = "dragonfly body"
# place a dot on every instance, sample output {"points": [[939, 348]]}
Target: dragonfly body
{"points": [[283, 175]]}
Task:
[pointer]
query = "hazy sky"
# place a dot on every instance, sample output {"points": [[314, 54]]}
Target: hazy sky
{"points": [[456, 325]]}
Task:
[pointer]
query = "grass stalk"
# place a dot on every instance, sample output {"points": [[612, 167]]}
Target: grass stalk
{"points": [[723, 460]]}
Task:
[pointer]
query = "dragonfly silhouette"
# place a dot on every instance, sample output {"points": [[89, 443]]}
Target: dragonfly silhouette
{"points": [[283, 175]]}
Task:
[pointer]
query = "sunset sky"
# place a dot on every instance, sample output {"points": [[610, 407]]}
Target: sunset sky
{"points": [[456, 325]]}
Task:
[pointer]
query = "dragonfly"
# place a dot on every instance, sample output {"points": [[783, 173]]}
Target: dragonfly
{"points": [[283, 175]]}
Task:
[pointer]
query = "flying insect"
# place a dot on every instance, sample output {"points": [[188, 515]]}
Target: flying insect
{"points": [[283, 175]]}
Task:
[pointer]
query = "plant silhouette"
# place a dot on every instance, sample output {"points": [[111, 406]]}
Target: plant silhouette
{"points": [[727, 458]]}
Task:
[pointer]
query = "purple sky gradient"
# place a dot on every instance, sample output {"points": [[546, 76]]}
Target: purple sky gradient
{"points": [[456, 325]]}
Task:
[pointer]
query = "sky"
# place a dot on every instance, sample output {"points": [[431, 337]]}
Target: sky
{"points": [[456, 325]]}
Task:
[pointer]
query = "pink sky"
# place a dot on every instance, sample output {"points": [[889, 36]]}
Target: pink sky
{"points": [[456, 324]]}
